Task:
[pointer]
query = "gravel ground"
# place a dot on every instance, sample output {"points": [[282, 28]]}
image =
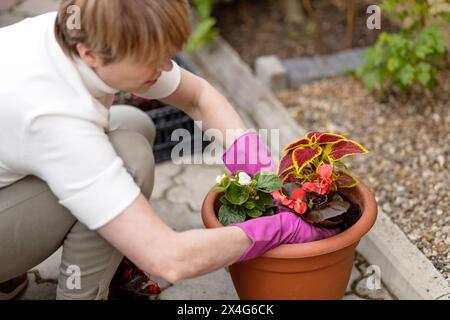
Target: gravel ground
{"points": [[409, 142]]}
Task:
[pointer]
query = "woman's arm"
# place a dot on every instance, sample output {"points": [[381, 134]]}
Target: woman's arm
{"points": [[143, 237], [146, 240], [202, 102]]}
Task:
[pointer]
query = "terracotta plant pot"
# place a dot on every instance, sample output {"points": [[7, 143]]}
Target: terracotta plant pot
{"points": [[307, 271]]}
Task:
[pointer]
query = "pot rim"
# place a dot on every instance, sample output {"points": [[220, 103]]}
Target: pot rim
{"points": [[364, 198]]}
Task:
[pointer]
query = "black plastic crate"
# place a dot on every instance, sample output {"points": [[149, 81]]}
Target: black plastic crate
{"points": [[167, 119]]}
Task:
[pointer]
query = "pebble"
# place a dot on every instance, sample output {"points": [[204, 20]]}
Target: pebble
{"points": [[387, 208], [441, 160], [436, 117]]}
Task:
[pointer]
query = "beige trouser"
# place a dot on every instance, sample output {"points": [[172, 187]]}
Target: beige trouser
{"points": [[33, 225]]}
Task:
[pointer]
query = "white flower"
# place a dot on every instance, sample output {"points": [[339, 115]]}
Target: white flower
{"points": [[220, 178], [244, 179]]}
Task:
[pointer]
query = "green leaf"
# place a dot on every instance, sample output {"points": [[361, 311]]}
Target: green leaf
{"points": [[268, 182], [389, 6], [372, 79], [269, 212], [203, 8], [229, 215], [219, 189], [406, 75], [236, 194], [254, 213], [226, 182], [259, 204], [393, 64], [249, 205], [224, 200], [265, 198], [445, 15], [424, 74], [373, 57], [204, 33], [242, 210], [423, 51]]}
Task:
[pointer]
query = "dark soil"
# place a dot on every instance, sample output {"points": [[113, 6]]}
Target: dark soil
{"points": [[352, 215], [259, 27]]}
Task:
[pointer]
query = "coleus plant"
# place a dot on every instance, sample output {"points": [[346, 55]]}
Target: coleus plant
{"points": [[312, 171], [245, 197]]}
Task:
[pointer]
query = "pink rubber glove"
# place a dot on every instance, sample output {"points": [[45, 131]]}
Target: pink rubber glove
{"points": [[283, 228], [250, 154]]}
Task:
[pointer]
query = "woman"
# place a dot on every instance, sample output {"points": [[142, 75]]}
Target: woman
{"points": [[78, 173]]}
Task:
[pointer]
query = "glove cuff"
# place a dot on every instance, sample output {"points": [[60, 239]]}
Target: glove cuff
{"points": [[249, 154]]}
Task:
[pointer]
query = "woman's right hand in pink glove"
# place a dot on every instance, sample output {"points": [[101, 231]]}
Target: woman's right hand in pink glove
{"points": [[283, 228]]}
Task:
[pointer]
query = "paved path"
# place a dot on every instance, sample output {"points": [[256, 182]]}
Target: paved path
{"points": [[178, 195]]}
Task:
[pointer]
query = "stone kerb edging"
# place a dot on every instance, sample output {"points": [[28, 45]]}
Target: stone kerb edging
{"points": [[280, 74], [404, 269]]}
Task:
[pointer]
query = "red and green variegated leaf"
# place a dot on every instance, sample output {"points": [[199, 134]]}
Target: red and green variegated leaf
{"points": [[292, 177], [346, 180], [304, 156], [311, 177], [298, 143], [310, 135], [345, 148], [313, 135], [286, 163], [327, 137], [287, 172]]}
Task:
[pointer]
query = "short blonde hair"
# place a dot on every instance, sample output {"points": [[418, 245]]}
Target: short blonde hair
{"points": [[146, 31]]}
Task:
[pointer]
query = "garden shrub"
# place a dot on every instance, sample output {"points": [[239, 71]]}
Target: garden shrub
{"points": [[206, 30], [415, 55]]}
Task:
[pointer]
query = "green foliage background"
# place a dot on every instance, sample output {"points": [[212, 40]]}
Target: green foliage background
{"points": [[413, 56]]}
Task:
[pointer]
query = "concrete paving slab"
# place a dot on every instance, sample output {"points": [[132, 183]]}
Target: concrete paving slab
{"points": [[177, 215], [49, 269], [193, 184], [164, 172], [38, 291], [214, 286]]}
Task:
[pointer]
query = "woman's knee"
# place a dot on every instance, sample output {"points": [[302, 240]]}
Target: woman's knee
{"points": [[137, 155], [131, 118], [28, 211]]}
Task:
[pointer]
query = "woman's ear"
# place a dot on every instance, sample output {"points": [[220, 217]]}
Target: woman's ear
{"points": [[88, 56]]}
